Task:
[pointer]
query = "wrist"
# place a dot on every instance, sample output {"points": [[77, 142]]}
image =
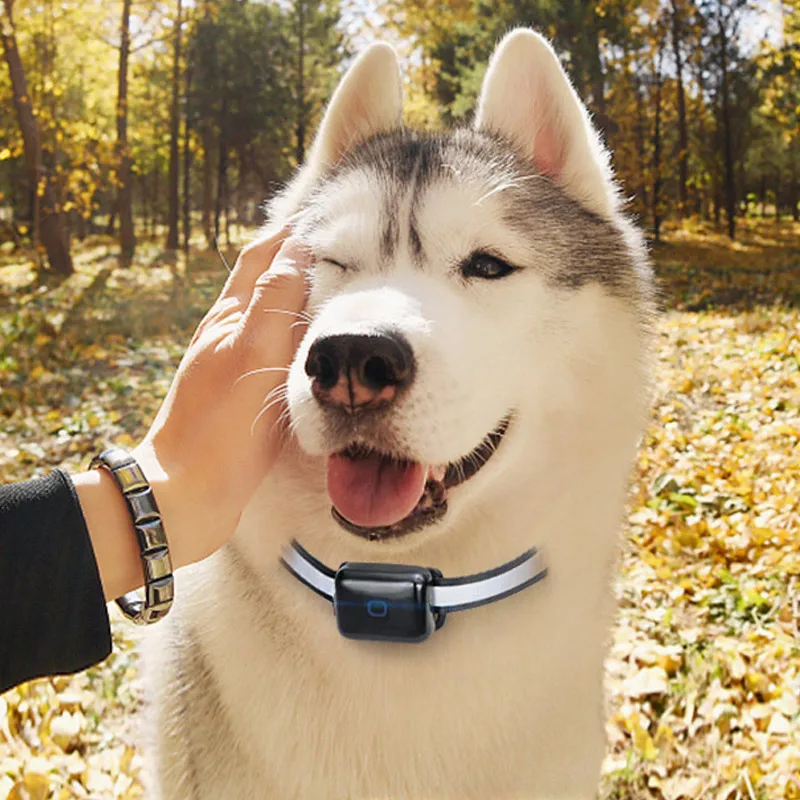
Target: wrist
{"points": [[193, 513], [110, 526], [111, 532], [172, 500]]}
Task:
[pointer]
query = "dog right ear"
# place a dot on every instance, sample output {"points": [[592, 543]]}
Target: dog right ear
{"points": [[368, 101], [528, 98]]}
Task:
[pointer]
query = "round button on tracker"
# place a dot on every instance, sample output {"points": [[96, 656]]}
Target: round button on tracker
{"points": [[377, 608]]}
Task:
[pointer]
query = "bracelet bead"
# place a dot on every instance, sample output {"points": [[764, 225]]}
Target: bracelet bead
{"points": [[159, 584]]}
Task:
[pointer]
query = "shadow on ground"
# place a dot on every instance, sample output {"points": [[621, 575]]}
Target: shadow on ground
{"points": [[699, 269], [61, 327]]}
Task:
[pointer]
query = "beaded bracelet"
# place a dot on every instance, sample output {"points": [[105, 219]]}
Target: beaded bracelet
{"points": [[159, 586]]}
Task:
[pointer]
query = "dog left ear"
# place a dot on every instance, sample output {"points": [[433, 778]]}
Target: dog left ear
{"points": [[368, 101], [527, 97]]}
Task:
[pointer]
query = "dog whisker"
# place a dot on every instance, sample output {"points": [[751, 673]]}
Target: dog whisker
{"points": [[287, 430], [222, 256], [259, 372], [299, 314], [280, 396]]}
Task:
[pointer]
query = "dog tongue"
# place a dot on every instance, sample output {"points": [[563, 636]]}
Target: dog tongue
{"points": [[374, 490]]}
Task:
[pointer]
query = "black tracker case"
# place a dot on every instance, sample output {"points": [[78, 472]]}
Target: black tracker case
{"points": [[388, 602]]}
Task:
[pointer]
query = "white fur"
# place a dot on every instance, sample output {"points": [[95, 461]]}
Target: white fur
{"points": [[505, 701]]}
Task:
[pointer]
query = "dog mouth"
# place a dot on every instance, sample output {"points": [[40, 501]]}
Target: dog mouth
{"points": [[379, 496]]}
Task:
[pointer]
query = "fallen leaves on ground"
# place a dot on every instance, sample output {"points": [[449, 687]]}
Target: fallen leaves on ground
{"points": [[704, 669]]}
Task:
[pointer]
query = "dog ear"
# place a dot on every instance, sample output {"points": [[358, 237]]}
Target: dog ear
{"points": [[528, 98], [369, 100]]}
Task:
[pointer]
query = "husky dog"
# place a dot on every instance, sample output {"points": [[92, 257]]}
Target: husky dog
{"points": [[473, 382]]}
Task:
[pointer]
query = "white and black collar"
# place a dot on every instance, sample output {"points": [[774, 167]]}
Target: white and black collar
{"points": [[393, 602]]}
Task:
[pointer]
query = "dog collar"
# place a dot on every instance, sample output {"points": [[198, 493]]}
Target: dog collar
{"points": [[400, 603]]}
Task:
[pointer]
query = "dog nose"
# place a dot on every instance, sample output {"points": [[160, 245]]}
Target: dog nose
{"points": [[360, 371]]}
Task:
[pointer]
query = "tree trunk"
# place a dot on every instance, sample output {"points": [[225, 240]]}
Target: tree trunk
{"points": [[301, 91], [141, 182], [51, 224], [227, 216], [241, 187], [111, 225], [657, 146], [742, 193], [595, 68], [730, 186], [127, 237], [777, 195], [172, 214], [683, 135], [208, 200], [222, 167], [187, 157], [641, 126], [156, 218], [80, 224], [705, 198], [763, 194]]}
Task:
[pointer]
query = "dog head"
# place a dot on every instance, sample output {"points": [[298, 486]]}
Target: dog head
{"points": [[470, 290]]}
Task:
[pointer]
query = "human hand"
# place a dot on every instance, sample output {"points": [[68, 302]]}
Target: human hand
{"points": [[218, 431]]}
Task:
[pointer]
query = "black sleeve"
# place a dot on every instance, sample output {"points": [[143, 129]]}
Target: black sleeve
{"points": [[53, 616]]}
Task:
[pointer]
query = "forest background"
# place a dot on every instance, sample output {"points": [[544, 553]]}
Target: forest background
{"points": [[135, 115], [137, 135]]}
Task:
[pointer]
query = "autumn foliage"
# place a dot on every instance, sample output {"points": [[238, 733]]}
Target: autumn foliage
{"points": [[144, 154]]}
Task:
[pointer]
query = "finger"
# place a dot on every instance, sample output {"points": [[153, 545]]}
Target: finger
{"points": [[280, 292], [278, 298], [222, 309], [254, 259]]}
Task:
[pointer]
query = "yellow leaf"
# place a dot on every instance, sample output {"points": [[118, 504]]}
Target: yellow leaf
{"points": [[642, 740]]}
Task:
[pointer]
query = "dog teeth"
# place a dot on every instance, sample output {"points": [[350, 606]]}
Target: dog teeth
{"points": [[437, 473]]}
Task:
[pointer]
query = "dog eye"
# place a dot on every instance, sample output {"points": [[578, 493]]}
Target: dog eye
{"points": [[482, 265], [333, 262]]}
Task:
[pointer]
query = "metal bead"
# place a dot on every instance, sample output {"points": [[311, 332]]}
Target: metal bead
{"points": [[114, 458], [161, 591], [142, 505], [159, 585], [151, 535], [157, 565], [130, 478]]}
